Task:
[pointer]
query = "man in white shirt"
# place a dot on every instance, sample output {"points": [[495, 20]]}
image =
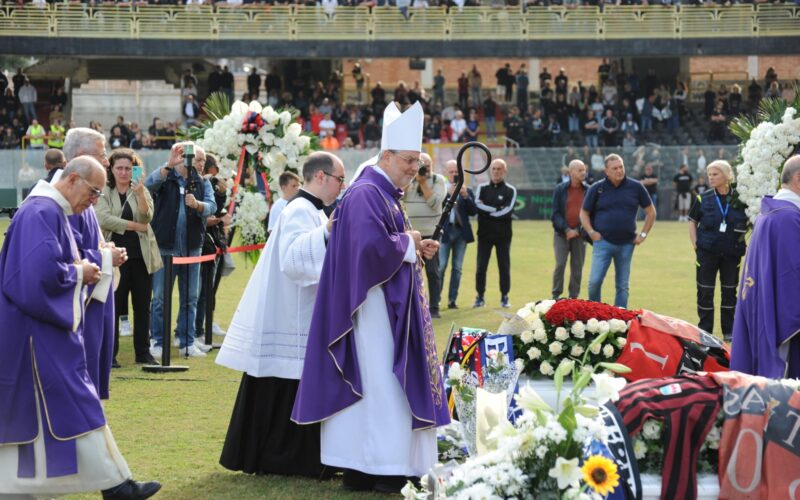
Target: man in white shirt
{"points": [[458, 126], [290, 185], [327, 125], [267, 336]]}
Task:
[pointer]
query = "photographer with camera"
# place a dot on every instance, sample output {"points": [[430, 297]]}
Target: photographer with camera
{"points": [[456, 233], [216, 238], [183, 201], [423, 199]]}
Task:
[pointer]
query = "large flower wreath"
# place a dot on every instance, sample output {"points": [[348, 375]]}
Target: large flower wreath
{"points": [[562, 332], [270, 140], [767, 141]]}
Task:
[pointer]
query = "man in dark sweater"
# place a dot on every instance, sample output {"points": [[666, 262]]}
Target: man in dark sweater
{"points": [[495, 201], [567, 241]]}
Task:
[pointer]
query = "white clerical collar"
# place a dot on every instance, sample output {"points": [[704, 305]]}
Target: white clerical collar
{"points": [[380, 171], [43, 189], [788, 195]]}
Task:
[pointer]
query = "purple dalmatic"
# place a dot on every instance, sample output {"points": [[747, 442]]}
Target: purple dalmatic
{"points": [[767, 321], [99, 317], [366, 249], [42, 342]]}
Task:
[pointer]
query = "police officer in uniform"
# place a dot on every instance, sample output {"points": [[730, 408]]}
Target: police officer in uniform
{"points": [[717, 230]]}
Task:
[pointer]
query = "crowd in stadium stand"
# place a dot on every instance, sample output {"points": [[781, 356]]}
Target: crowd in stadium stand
{"points": [[619, 109], [330, 5]]}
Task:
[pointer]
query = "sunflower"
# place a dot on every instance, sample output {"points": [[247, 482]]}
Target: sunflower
{"points": [[601, 474]]}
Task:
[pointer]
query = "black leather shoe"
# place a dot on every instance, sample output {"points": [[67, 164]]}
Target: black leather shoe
{"points": [[390, 484], [132, 490], [146, 359], [452, 305], [115, 363], [353, 480], [435, 314]]}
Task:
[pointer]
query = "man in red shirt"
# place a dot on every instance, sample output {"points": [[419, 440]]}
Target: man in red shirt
{"points": [[567, 241]]}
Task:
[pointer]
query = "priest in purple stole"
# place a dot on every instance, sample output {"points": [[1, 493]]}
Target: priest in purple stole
{"points": [[371, 375], [99, 315], [766, 329], [53, 434]]}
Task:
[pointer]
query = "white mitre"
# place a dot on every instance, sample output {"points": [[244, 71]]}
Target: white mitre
{"points": [[401, 132]]}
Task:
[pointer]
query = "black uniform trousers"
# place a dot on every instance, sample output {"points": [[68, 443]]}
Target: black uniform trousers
{"points": [[503, 248], [709, 264]]}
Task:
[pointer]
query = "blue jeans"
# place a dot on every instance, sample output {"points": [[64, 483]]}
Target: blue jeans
{"points": [[188, 306], [452, 241], [29, 108], [574, 123], [591, 140], [602, 255], [491, 127], [646, 123]]}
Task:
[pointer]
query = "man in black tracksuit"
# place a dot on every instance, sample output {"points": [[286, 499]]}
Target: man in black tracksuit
{"points": [[495, 201]]}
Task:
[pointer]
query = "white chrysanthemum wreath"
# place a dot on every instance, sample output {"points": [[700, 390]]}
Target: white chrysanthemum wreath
{"points": [[274, 143], [766, 148]]}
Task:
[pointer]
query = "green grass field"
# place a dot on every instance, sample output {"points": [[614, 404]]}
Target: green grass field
{"points": [[171, 427]]}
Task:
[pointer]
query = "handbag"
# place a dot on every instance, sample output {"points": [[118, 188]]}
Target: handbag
{"points": [[228, 264]]}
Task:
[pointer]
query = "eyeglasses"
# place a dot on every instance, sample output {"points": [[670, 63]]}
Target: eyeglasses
{"points": [[102, 157], [95, 193], [410, 160], [339, 178]]}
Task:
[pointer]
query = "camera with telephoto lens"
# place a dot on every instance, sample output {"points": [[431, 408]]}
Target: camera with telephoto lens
{"points": [[423, 170]]}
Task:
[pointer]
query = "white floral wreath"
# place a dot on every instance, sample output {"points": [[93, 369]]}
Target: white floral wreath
{"points": [[763, 155], [274, 138]]}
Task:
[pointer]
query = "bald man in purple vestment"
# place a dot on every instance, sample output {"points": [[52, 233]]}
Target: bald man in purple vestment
{"points": [[53, 434], [766, 328]]}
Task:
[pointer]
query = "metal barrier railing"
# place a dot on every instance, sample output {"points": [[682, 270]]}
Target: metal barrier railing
{"points": [[298, 22]]}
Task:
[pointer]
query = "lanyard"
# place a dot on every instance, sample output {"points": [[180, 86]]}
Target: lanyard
{"points": [[719, 204]]}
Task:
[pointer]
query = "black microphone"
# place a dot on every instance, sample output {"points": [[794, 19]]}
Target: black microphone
{"points": [[188, 155]]}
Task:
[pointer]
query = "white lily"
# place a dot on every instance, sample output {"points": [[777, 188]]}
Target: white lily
{"points": [[607, 387], [566, 472]]}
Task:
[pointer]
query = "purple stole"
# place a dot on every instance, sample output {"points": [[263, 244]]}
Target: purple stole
{"points": [[366, 249]]}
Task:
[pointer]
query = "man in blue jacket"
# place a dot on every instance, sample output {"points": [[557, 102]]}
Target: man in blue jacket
{"points": [[457, 232], [567, 241], [183, 201]]}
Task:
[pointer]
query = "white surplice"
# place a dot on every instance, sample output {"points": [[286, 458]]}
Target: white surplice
{"points": [[268, 333], [374, 435]]}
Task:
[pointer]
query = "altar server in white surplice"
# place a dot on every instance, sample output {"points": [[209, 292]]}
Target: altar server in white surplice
{"points": [[267, 336]]}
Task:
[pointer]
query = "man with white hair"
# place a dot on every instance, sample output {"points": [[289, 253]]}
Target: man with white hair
{"points": [[99, 320], [371, 375], [766, 328], [182, 202], [54, 439]]}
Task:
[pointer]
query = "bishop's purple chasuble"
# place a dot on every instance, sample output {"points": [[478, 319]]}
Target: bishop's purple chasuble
{"points": [[366, 249], [767, 319]]}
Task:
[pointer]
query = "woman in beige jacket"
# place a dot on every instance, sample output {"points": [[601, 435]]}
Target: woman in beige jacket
{"points": [[124, 212]]}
